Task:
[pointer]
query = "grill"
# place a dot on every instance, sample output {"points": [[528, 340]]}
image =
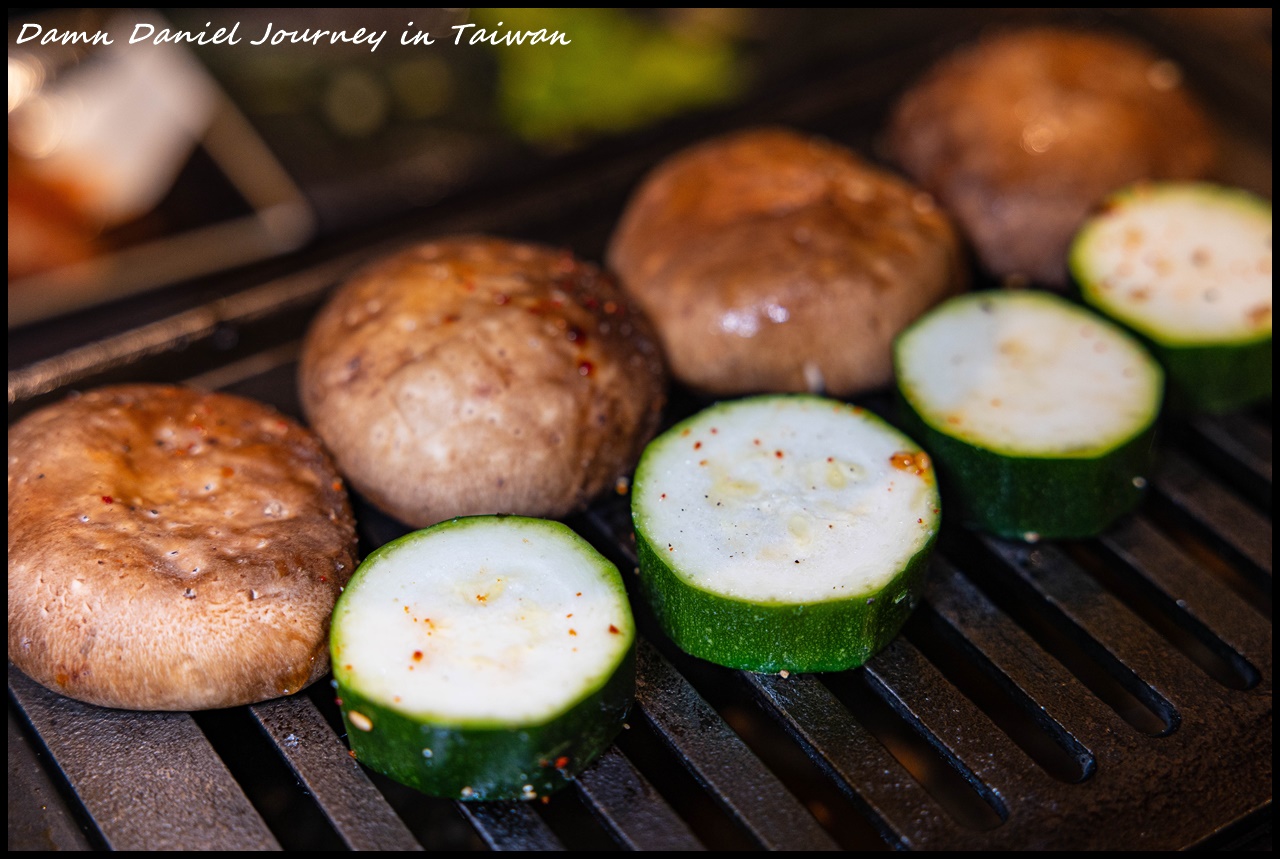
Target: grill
{"points": [[1111, 693]]}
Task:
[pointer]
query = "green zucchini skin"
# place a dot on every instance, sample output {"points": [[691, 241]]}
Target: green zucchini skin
{"points": [[486, 758], [1023, 490], [1029, 497], [490, 763], [1209, 376], [1214, 379], [768, 638]]}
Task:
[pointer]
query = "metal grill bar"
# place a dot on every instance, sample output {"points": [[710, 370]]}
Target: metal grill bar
{"points": [[510, 826], [1069, 708], [1244, 446], [899, 806], [1119, 640], [721, 761], [969, 741], [637, 815], [360, 814], [151, 781], [1129, 764], [1221, 615], [1233, 525], [37, 817]]}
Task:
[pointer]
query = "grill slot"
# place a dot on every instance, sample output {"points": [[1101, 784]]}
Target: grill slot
{"points": [[632, 810], [1238, 447], [1033, 730], [967, 740], [150, 781], [1152, 582], [1051, 630], [510, 826], [262, 771], [1103, 630], [720, 760], [944, 778], [700, 813], [361, 816], [1234, 529], [1113, 694]]}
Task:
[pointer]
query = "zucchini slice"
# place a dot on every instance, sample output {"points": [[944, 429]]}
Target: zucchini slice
{"points": [[783, 533], [1040, 414], [1187, 266], [486, 657]]}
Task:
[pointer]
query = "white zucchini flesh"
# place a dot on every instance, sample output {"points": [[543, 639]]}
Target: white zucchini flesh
{"points": [[1028, 374], [786, 499], [1184, 264], [499, 625]]}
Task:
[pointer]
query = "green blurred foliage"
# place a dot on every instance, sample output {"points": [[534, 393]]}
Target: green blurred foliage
{"points": [[622, 70]]}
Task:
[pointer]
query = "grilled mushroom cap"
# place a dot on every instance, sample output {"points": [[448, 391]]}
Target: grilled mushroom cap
{"points": [[773, 261], [476, 375], [172, 550], [1020, 135]]}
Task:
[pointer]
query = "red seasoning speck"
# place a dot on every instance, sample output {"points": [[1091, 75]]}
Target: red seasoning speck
{"points": [[107, 499], [912, 463]]}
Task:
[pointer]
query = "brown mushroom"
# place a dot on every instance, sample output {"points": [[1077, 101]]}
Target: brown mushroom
{"points": [[1021, 134], [773, 261], [476, 375], [172, 550]]}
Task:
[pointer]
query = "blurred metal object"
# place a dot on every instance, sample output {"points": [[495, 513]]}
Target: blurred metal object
{"points": [[102, 132]]}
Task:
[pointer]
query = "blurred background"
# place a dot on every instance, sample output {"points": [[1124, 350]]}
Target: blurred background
{"points": [[146, 165]]}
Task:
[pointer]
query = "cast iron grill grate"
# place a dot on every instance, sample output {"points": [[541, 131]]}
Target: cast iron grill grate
{"points": [[1111, 693]]}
